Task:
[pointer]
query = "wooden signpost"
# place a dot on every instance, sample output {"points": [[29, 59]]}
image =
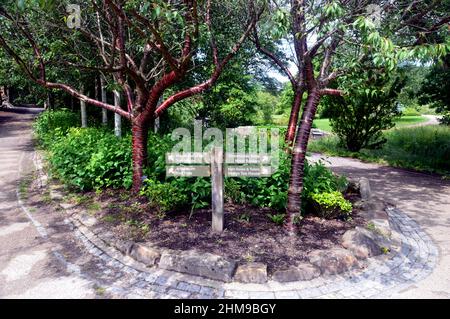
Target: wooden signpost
{"points": [[236, 165]]}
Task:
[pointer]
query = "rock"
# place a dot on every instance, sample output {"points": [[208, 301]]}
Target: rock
{"points": [[303, 271], [251, 273], [362, 243], [382, 227], [200, 264], [146, 255], [333, 261], [124, 246], [374, 208], [87, 220], [56, 195], [374, 203], [67, 206], [353, 186], [364, 188]]}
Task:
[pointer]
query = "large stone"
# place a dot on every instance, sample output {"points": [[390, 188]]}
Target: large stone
{"points": [[303, 271], [87, 220], [381, 227], [374, 208], [251, 273], [200, 264], [146, 255], [364, 188], [124, 246], [362, 243], [333, 261]]}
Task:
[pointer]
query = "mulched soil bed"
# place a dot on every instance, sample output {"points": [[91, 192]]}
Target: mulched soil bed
{"points": [[258, 239]]}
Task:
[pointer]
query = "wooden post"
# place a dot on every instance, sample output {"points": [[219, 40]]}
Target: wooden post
{"points": [[104, 100], [117, 117], [217, 189], [83, 110]]}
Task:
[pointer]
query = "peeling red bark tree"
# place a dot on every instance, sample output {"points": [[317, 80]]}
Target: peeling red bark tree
{"points": [[293, 118], [298, 160], [294, 204], [139, 148], [141, 90]]}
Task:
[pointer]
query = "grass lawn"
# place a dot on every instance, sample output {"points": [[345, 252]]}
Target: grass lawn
{"points": [[324, 124], [409, 120], [425, 148]]}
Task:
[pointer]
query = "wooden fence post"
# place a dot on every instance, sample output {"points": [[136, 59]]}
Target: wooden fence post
{"points": [[217, 189]]}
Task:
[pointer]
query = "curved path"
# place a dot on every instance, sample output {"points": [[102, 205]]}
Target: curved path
{"points": [[423, 197], [42, 256]]}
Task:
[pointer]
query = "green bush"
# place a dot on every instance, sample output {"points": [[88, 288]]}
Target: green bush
{"points": [[165, 196], [330, 204], [51, 125], [272, 191], [410, 111], [92, 158]]}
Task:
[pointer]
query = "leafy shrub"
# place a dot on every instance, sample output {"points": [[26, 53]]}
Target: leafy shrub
{"points": [[410, 111], [445, 119], [369, 107], [330, 204], [164, 196], [92, 158], [268, 191], [272, 191], [277, 218], [320, 179], [233, 191], [51, 125]]}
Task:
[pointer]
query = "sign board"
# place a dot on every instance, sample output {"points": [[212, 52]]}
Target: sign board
{"points": [[188, 171], [236, 165]]}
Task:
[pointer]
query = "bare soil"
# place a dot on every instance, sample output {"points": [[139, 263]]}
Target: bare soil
{"points": [[249, 235]]}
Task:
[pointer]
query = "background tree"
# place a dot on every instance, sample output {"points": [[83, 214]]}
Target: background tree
{"points": [[435, 89], [368, 107]]}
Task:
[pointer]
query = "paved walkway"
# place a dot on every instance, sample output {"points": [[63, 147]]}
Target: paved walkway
{"points": [[425, 198], [41, 256], [28, 264]]}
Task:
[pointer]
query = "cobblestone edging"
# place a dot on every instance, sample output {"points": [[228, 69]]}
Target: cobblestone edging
{"points": [[382, 277]]}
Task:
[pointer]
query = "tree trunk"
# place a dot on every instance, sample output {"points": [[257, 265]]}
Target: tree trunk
{"points": [[83, 111], [298, 160], [139, 140], [4, 95], [104, 100], [293, 118], [117, 117], [51, 100]]}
